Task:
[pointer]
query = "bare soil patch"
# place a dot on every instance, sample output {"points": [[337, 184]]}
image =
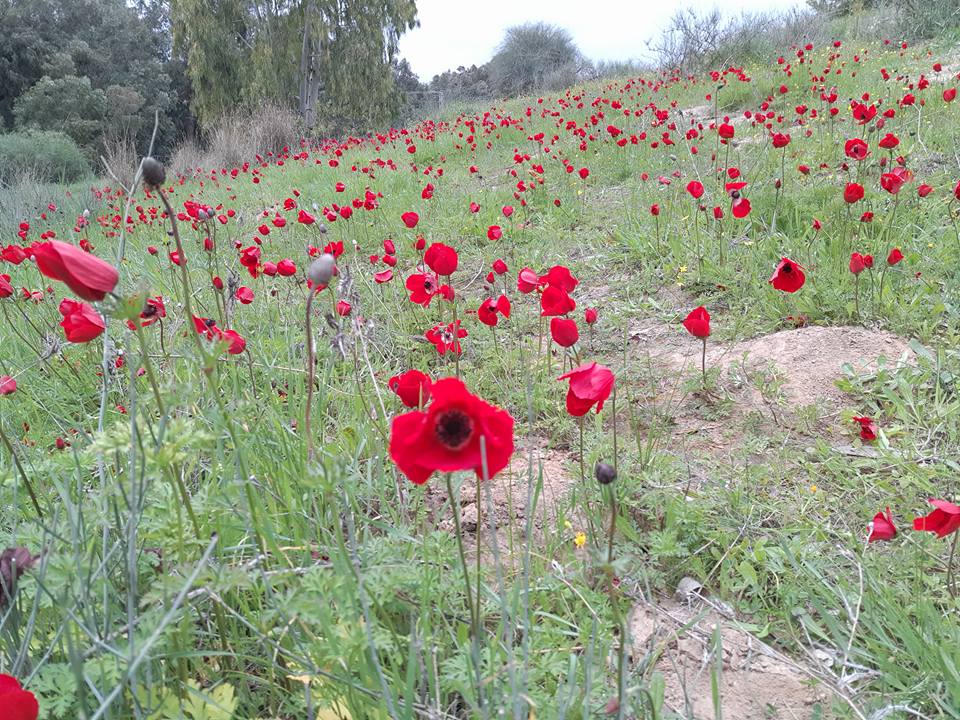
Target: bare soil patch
{"points": [[756, 680], [786, 380], [510, 494]]}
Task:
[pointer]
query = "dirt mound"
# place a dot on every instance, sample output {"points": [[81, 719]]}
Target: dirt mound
{"points": [[756, 681], [765, 381]]}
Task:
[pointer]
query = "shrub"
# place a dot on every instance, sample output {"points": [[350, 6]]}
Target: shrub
{"points": [[46, 155]]}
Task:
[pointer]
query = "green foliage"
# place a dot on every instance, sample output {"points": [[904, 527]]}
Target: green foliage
{"points": [[108, 64], [332, 58], [532, 57], [46, 156], [68, 105]]}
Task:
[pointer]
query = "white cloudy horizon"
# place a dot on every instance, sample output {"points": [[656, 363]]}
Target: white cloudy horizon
{"points": [[452, 34]]}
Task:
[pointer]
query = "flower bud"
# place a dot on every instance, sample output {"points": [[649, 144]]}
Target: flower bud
{"points": [[322, 269], [605, 473], [153, 173]]}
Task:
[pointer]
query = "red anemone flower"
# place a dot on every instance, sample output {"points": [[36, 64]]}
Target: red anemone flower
{"points": [[894, 257], [695, 188], [856, 149], [853, 193], [697, 322], [422, 287], [590, 384], [882, 527], [527, 281], [868, 428], [494, 232], [410, 219], [942, 521], [412, 387], [87, 275], [81, 323], [447, 436], [442, 259], [17, 703], [556, 301], [857, 263], [8, 386], [447, 337], [564, 331], [788, 276]]}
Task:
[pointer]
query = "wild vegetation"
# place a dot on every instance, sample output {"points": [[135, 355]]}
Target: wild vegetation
{"points": [[635, 399]]}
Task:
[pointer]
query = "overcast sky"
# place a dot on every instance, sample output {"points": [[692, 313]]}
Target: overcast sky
{"points": [[453, 33]]}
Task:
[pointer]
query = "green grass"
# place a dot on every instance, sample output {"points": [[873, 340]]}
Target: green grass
{"points": [[194, 565]]}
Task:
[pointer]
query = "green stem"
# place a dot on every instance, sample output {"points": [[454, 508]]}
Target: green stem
{"points": [[23, 474]]}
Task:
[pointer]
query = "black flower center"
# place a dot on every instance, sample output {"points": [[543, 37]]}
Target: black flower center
{"points": [[787, 268], [453, 428]]}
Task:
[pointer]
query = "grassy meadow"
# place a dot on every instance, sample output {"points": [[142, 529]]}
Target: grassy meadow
{"points": [[190, 557]]}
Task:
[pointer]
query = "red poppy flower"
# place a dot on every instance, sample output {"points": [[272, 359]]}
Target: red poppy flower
{"points": [[695, 188], [590, 316], [561, 277], [857, 263], [286, 268], [780, 140], [6, 289], [499, 266], [490, 310], [527, 281], [422, 288], [447, 337], [305, 218], [507, 210], [564, 331], [882, 527], [556, 301], [244, 295], [950, 94], [412, 387], [788, 276], [894, 257], [894, 180], [384, 276], [17, 703], [343, 308], [86, 275], [942, 521], [740, 207], [853, 193], [474, 208], [153, 310], [590, 384], [889, 141], [81, 323], [494, 232], [410, 219], [924, 190], [725, 131], [584, 173], [8, 386], [697, 322], [856, 149], [442, 259], [446, 437], [868, 428]]}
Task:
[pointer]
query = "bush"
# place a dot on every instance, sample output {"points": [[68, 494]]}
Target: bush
{"points": [[46, 155], [535, 56]]}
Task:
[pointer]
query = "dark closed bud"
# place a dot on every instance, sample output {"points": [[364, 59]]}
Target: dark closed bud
{"points": [[605, 473], [153, 173], [321, 228]]}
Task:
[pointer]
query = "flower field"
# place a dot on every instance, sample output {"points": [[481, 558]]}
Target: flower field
{"points": [[638, 400]]}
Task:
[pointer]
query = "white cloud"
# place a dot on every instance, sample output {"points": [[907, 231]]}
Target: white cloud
{"points": [[454, 33]]}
